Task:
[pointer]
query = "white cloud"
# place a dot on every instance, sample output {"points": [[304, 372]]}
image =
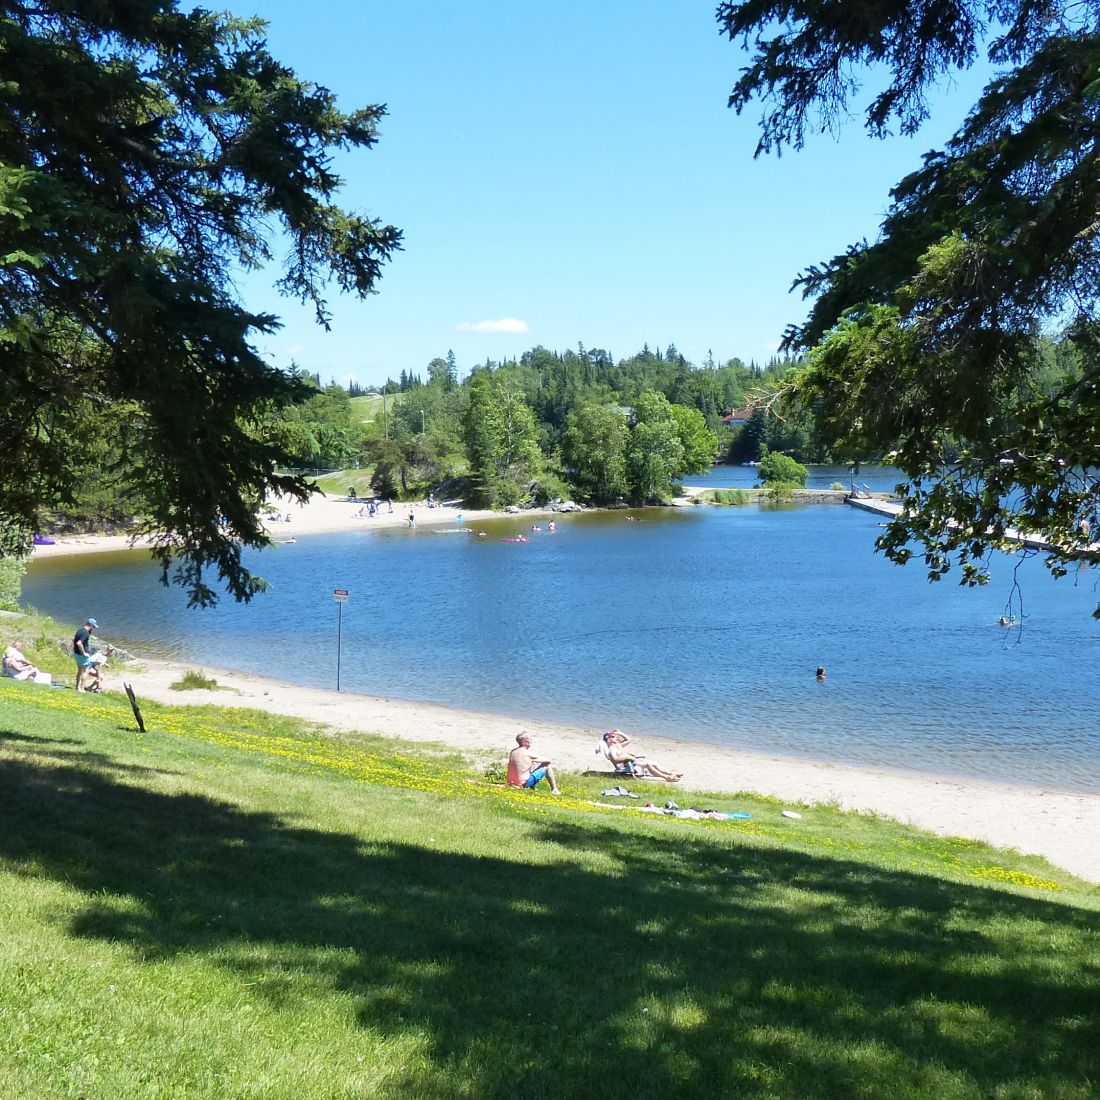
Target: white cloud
{"points": [[505, 324]]}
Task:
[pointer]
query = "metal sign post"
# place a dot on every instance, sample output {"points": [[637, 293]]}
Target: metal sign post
{"points": [[340, 595]]}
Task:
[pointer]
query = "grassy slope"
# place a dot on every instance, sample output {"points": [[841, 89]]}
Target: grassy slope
{"points": [[233, 906], [367, 407]]}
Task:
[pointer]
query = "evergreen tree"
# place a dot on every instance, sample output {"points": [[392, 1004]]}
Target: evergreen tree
{"points": [[145, 152], [929, 341]]}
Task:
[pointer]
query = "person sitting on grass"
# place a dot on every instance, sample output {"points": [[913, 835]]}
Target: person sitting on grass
{"points": [[525, 769], [640, 766], [16, 665]]}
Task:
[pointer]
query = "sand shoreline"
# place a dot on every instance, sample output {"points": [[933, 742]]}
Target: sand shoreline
{"points": [[321, 515], [1061, 825]]}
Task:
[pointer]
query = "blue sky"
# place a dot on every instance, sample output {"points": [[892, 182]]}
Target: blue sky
{"points": [[567, 173]]}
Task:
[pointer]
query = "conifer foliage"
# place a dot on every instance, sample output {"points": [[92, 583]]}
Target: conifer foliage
{"points": [[929, 342], [147, 155]]}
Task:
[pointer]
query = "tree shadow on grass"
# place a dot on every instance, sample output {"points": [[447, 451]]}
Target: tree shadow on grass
{"points": [[26, 738], [683, 967]]}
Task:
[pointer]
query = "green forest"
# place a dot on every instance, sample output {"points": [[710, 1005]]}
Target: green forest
{"points": [[546, 426]]}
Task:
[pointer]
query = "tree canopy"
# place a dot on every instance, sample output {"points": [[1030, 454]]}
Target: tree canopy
{"points": [[930, 343], [147, 155]]}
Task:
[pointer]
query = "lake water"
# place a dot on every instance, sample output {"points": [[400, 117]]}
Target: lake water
{"points": [[878, 479], [702, 623]]}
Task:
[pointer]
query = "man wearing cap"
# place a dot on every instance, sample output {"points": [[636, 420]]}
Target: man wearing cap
{"points": [[82, 651]]}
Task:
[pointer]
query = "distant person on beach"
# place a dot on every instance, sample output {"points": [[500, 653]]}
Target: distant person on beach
{"points": [[527, 769], [412, 519], [640, 765], [16, 665], [82, 650], [820, 674]]}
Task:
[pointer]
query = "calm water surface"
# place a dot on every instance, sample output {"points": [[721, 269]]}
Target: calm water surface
{"points": [[879, 479], [701, 623]]}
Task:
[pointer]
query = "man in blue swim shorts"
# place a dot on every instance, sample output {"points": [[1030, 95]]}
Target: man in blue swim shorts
{"points": [[526, 769], [82, 650]]}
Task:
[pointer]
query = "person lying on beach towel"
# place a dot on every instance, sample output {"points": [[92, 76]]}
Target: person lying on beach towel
{"points": [[640, 766]]}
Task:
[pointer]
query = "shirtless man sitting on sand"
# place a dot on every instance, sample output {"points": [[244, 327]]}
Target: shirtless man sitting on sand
{"points": [[526, 769], [618, 754]]}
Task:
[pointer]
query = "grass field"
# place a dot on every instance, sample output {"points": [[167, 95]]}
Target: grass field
{"points": [[336, 484], [367, 407], [234, 905]]}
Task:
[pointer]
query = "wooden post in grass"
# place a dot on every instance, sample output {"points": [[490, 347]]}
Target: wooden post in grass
{"points": [[136, 709]]}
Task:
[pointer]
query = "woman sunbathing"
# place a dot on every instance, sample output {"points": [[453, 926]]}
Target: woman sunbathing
{"points": [[640, 766], [16, 665]]}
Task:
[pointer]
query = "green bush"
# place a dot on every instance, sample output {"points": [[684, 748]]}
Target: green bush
{"points": [[731, 496], [778, 467], [778, 492], [549, 488], [11, 582], [193, 680]]}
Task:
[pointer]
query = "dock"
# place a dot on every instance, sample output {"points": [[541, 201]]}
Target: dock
{"points": [[891, 509]]}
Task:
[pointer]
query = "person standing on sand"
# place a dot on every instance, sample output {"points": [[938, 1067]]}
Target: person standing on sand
{"points": [[526, 769], [82, 650], [412, 519]]}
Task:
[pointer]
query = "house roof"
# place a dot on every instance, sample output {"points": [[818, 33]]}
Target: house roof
{"points": [[738, 416]]}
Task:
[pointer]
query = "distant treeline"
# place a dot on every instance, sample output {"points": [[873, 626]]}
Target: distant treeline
{"points": [[549, 424], [573, 424]]}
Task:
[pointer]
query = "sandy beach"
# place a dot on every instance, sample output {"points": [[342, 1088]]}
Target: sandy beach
{"points": [[1062, 826], [321, 515]]}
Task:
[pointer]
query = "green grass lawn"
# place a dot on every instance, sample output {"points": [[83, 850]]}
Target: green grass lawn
{"points": [[234, 905], [337, 484], [369, 406]]}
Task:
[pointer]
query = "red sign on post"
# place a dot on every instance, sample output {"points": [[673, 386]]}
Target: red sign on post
{"points": [[340, 595]]}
